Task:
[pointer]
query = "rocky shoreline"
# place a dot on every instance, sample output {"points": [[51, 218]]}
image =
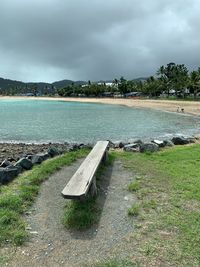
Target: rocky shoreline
{"points": [[15, 158]]}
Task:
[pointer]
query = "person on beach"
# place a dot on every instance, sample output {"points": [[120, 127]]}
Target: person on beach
{"points": [[178, 109]]}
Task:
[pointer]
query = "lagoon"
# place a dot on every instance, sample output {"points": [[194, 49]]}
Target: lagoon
{"points": [[42, 121]]}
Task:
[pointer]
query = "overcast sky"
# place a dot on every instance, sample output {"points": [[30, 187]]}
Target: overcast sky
{"points": [[49, 40]]}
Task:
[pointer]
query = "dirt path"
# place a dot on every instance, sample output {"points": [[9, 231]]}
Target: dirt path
{"points": [[53, 245]]}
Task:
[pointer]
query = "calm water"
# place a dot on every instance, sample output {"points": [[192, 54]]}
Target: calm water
{"points": [[45, 121]]}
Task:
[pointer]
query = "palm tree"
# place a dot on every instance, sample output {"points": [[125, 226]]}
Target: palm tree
{"points": [[194, 81]]}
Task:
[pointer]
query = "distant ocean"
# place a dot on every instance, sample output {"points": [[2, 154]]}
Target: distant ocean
{"points": [[41, 121]]}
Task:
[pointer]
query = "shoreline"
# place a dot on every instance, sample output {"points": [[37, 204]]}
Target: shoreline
{"points": [[190, 107]]}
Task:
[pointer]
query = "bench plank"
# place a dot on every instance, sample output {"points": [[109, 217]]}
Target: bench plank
{"points": [[80, 182]]}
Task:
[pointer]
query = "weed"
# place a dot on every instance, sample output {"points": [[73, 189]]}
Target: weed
{"points": [[134, 210], [133, 186]]}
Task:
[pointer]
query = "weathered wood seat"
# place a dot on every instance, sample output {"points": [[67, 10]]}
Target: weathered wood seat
{"points": [[84, 178]]}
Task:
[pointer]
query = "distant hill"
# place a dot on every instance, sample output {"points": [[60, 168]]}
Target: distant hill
{"points": [[19, 87], [63, 83], [140, 79], [13, 86], [6, 83]]}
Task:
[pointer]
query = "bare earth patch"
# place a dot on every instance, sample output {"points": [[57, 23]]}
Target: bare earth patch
{"points": [[51, 244]]}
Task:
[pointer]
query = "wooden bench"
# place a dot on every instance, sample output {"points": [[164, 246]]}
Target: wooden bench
{"points": [[84, 179]]}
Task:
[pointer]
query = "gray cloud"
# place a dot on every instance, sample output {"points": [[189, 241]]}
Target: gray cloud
{"points": [[82, 39]]}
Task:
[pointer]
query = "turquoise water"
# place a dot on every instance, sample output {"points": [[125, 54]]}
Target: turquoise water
{"points": [[57, 121]]}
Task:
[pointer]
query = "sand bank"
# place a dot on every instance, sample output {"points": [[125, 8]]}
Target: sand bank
{"points": [[190, 107]]}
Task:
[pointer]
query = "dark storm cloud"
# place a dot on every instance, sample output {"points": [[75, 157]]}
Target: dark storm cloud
{"points": [[83, 39]]}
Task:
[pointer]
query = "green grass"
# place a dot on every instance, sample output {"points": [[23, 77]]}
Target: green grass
{"points": [[80, 215], [133, 186], [134, 210], [169, 198], [16, 197]]}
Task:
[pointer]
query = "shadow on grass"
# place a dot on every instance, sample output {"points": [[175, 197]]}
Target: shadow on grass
{"points": [[84, 216]]}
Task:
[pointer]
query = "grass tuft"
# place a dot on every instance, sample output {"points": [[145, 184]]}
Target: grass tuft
{"points": [[134, 186], [80, 215], [134, 210]]}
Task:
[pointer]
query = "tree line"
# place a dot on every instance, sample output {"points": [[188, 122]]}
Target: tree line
{"points": [[172, 79]]}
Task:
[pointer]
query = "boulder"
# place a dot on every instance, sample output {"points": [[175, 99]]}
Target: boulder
{"points": [[168, 143], [24, 163], [5, 163], [44, 155], [149, 147], [37, 159], [192, 140], [180, 140], [121, 144], [53, 151], [73, 147], [7, 174], [132, 147], [117, 144], [138, 141], [19, 168], [159, 143]]}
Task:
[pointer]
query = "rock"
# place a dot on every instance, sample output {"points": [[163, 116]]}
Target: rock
{"points": [[149, 147], [138, 141], [11, 159], [53, 151], [45, 155], [81, 146], [132, 147], [121, 144], [180, 140], [191, 140], [159, 143], [72, 147], [19, 168], [36, 159], [5, 163], [24, 163], [117, 144], [168, 143], [75, 146], [39, 158], [8, 174]]}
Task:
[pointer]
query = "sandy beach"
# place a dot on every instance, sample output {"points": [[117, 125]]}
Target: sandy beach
{"points": [[190, 107]]}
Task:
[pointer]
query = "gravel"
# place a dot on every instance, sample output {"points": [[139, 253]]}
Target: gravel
{"points": [[51, 244]]}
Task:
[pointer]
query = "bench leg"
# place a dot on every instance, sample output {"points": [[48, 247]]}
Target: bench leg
{"points": [[105, 156], [93, 188]]}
